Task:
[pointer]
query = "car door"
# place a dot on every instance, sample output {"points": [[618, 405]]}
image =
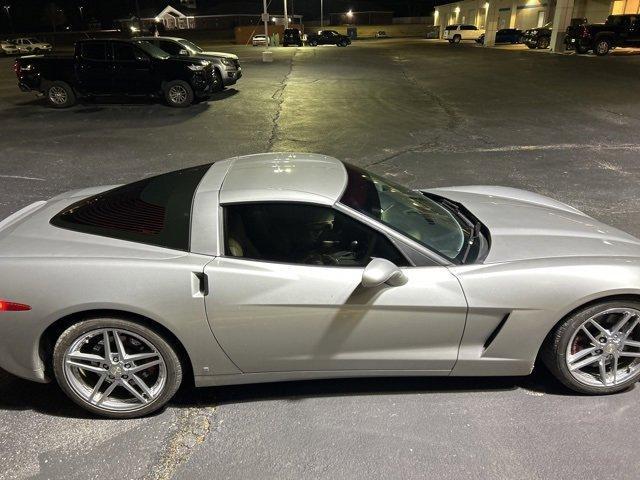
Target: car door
{"points": [[286, 295], [633, 37], [132, 70], [94, 68]]}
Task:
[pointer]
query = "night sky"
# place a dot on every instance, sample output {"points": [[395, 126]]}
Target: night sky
{"points": [[44, 15]]}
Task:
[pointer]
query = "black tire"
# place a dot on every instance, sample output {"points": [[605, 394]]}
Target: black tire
{"points": [[543, 42], [343, 43], [178, 94], [602, 47], [313, 43], [60, 95], [450, 41], [457, 38], [168, 353], [532, 46], [218, 85], [554, 350], [580, 50]]}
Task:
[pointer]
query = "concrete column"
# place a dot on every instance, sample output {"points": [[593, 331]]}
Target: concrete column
{"points": [[514, 14], [561, 20], [491, 24]]}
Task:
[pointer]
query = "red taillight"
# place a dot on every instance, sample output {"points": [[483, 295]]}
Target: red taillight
{"points": [[6, 306], [585, 31], [16, 67]]}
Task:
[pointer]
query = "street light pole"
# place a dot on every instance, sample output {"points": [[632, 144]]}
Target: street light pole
{"points": [[286, 16], [321, 15], [6, 9]]}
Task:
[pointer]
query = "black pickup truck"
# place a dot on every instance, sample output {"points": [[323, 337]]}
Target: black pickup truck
{"points": [[115, 68], [617, 31], [328, 37]]}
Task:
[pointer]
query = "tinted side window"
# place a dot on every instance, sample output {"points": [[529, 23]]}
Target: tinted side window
{"points": [[124, 52], [303, 234], [155, 211], [94, 51], [170, 47]]}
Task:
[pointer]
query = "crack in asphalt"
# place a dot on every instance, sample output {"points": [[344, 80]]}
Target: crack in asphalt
{"points": [[454, 120], [191, 429], [278, 96]]}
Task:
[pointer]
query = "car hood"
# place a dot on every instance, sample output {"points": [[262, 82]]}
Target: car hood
{"points": [[230, 56], [524, 225]]}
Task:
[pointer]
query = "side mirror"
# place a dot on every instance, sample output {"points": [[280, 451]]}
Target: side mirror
{"points": [[380, 271], [183, 53]]}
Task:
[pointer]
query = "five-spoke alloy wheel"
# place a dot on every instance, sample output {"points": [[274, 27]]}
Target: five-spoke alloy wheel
{"points": [[116, 368], [597, 350]]}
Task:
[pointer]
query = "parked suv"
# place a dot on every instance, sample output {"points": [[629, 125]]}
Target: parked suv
{"points": [[115, 67], [457, 33], [291, 36], [539, 37], [226, 66], [617, 31]]}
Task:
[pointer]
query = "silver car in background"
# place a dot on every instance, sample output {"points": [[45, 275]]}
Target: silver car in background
{"points": [[278, 267], [226, 65]]}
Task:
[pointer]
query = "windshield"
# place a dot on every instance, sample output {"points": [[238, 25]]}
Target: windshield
{"points": [[190, 45], [152, 49], [407, 211]]}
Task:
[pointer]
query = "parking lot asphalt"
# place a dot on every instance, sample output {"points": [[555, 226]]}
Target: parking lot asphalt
{"points": [[422, 112]]}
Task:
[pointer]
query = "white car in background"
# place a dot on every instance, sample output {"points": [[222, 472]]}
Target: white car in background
{"points": [[32, 45], [7, 47], [260, 40], [458, 32]]}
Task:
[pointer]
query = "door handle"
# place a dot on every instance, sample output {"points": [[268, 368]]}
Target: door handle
{"points": [[200, 284]]}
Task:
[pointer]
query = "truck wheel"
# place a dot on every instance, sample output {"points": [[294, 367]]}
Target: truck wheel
{"points": [[602, 47], [580, 50], [178, 94], [60, 95], [313, 43], [457, 38], [543, 42]]}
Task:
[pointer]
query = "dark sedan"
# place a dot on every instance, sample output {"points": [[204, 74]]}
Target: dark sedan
{"points": [[505, 35]]}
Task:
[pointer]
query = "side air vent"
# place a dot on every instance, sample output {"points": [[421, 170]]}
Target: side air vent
{"points": [[495, 332]]}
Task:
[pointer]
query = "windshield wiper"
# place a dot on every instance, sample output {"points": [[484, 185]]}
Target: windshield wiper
{"points": [[475, 226]]}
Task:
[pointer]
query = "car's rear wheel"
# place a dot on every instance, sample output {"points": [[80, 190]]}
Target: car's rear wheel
{"points": [[597, 350], [457, 38], [178, 94], [116, 368], [602, 47], [60, 95], [313, 43]]}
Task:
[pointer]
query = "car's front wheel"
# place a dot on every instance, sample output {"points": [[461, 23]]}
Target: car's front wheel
{"points": [[218, 83], [457, 38], [116, 368], [543, 42], [313, 43], [597, 350], [178, 94]]}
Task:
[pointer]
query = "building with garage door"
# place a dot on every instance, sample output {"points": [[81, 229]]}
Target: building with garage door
{"points": [[524, 14]]}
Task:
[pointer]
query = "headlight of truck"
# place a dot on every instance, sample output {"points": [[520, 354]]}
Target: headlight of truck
{"points": [[200, 67], [227, 62]]}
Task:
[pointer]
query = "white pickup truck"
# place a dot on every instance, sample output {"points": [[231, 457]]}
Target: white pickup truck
{"points": [[458, 32]]}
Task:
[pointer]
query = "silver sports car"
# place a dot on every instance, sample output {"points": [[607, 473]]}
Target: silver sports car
{"points": [[296, 266]]}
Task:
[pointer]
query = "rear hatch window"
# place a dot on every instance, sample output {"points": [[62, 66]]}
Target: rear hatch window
{"points": [[154, 211]]}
